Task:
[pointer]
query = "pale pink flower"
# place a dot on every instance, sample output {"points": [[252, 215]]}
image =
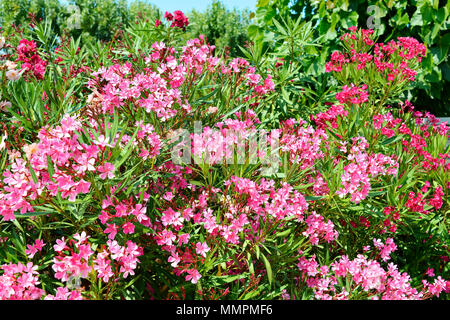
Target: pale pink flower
{"points": [[193, 275], [13, 75], [202, 248], [60, 245]]}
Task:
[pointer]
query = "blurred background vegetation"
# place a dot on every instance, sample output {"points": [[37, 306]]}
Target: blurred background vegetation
{"points": [[301, 34]]}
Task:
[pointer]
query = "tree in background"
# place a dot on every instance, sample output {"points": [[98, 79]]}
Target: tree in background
{"points": [[90, 19], [101, 19], [224, 28], [19, 12], [426, 20]]}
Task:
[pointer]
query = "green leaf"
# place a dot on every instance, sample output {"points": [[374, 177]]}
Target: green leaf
{"points": [[390, 140], [31, 214], [441, 15], [253, 31], [220, 280], [376, 193], [126, 151], [50, 168], [279, 27], [283, 234], [313, 198], [33, 174], [262, 3], [268, 268], [416, 19]]}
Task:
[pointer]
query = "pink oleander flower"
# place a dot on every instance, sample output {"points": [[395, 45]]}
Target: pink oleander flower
{"points": [[68, 155], [81, 237], [179, 20], [202, 248], [168, 16], [60, 245], [183, 238], [34, 248], [32, 63], [166, 237], [353, 94], [128, 228], [103, 266], [168, 196], [63, 293], [174, 260], [361, 168], [330, 117], [103, 141], [430, 272], [303, 144], [107, 171], [111, 230], [193, 275], [366, 275]]}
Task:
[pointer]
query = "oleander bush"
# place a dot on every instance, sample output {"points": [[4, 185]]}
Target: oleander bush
{"points": [[151, 167], [223, 28]]}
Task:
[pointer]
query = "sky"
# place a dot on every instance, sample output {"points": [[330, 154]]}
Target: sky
{"points": [[200, 5]]}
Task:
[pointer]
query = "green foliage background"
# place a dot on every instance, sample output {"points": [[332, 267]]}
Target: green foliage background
{"points": [[426, 20]]}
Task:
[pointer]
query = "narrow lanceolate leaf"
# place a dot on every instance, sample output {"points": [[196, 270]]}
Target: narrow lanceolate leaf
{"points": [[313, 198], [376, 193], [126, 151], [268, 268], [50, 168], [33, 174], [390, 140], [32, 214]]}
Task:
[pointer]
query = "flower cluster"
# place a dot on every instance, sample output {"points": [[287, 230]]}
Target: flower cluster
{"points": [[330, 117], [417, 202], [19, 282], [303, 144], [394, 61], [63, 293], [368, 278], [358, 35], [106, 210], [31, 61], [362, 168], [215, 146], [263, 205], [76, 259], [178, 19], [34, 248], [408, 49], [31, 177], [353, 94], [125, 213]]}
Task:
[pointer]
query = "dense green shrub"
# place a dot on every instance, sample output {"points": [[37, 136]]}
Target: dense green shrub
{"points": [[90, 19], [288, 50], [425, 20]]}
